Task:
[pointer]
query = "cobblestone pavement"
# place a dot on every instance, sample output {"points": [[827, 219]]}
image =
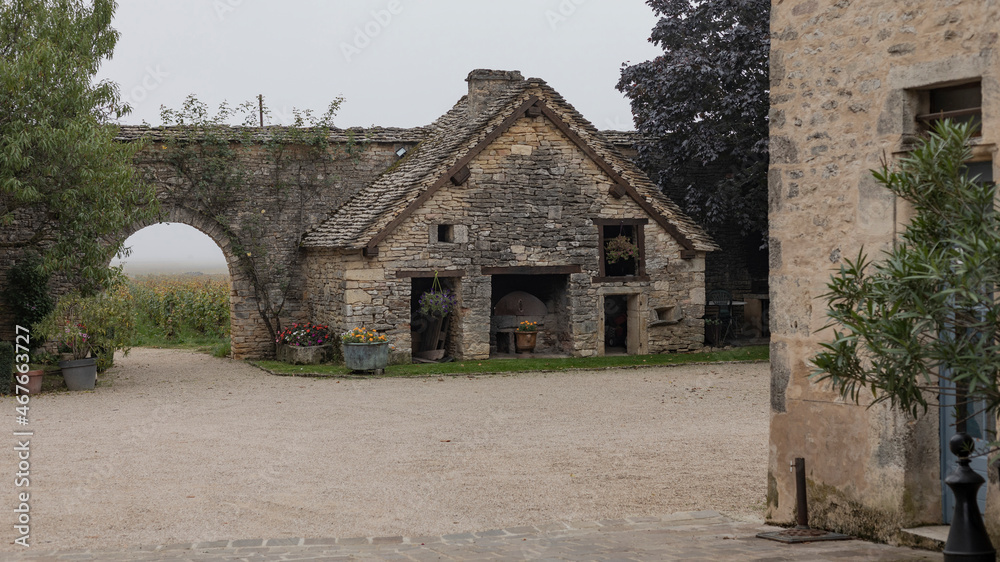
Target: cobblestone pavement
{"points": [[690, 536]]}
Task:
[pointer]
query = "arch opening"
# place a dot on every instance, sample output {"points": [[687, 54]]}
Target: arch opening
{"points": [[180, 287]]}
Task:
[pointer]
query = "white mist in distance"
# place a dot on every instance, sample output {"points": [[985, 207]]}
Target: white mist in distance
{"points": [[170, 248]]}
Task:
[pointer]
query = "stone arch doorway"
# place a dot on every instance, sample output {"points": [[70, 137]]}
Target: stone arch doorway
{"points": [[244, 325]]}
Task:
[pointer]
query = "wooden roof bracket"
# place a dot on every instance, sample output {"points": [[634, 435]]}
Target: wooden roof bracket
{"points": [[460, 176]]}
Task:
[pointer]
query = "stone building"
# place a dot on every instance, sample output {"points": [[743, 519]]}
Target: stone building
{"points": [[513, 195], [511, 192], [851, 83]]}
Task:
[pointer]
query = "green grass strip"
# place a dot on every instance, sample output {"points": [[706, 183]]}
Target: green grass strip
{"points": [[491, 366]]}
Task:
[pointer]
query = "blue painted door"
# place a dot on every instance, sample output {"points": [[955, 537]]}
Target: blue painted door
{"points": [[959, 414]]}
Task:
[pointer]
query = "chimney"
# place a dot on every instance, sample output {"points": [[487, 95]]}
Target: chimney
{"points": [[485, 84]]}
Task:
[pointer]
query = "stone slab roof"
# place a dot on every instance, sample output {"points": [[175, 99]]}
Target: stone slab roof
{"points": [[258, 134], [451, 137], [623, 138]]}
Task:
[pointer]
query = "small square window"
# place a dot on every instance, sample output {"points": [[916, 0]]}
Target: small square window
{"points": [[446, 233], [622, 249], [962, 103], [982, 169], [621, 253]]}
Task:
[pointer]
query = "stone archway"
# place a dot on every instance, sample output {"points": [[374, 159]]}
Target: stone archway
{"points": [[269, 209], [244, 322]]}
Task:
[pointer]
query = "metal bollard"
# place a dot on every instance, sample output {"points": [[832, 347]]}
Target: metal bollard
{"points": [[967, 538], [801, 533], [801, 507]]}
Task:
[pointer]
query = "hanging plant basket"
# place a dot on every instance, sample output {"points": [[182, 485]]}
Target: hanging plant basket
{"points": [[439, 302], [620, 249]]}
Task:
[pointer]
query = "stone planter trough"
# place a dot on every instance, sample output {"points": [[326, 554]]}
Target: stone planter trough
{"points": [[304, 355]]}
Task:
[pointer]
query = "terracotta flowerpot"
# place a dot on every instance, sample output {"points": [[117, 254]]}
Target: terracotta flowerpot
{"points": [[35, 381], [525, 341], [34, 384], [366, 356], [79, 374]]}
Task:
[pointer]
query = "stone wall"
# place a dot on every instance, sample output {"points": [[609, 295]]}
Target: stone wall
{"points": [[530, 201], [272, 207], [847, 79]]}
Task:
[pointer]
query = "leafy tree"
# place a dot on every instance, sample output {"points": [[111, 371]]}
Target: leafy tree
{"points": [[61, 171], [27, 292], [703, 107], [924, 321]]}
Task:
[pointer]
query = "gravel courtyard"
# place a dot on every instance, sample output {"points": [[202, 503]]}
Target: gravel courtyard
{"points": [[183, 447]]}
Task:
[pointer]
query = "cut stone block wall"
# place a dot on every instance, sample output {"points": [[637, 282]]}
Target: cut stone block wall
{"points": [[846, 79]]}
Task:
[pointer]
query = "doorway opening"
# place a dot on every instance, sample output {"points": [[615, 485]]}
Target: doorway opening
{"points": [[960, 414], [540, 298], [621, 330], [616, 324], [430, 335]]}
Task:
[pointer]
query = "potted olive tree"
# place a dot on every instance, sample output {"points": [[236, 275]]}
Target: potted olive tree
{"points": [[89, 330]]}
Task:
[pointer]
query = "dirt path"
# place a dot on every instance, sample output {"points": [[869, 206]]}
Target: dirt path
{"points": [[183, 447]]}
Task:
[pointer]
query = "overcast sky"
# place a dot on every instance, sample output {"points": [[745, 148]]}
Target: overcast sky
{"points": [[398, 63]]}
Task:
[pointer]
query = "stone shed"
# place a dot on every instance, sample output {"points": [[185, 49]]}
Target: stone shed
{"points": [[511, 199]]}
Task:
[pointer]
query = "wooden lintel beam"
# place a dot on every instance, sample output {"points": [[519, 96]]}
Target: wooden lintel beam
{"points": [[532, 270], [600, 221], [425, 273]]}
